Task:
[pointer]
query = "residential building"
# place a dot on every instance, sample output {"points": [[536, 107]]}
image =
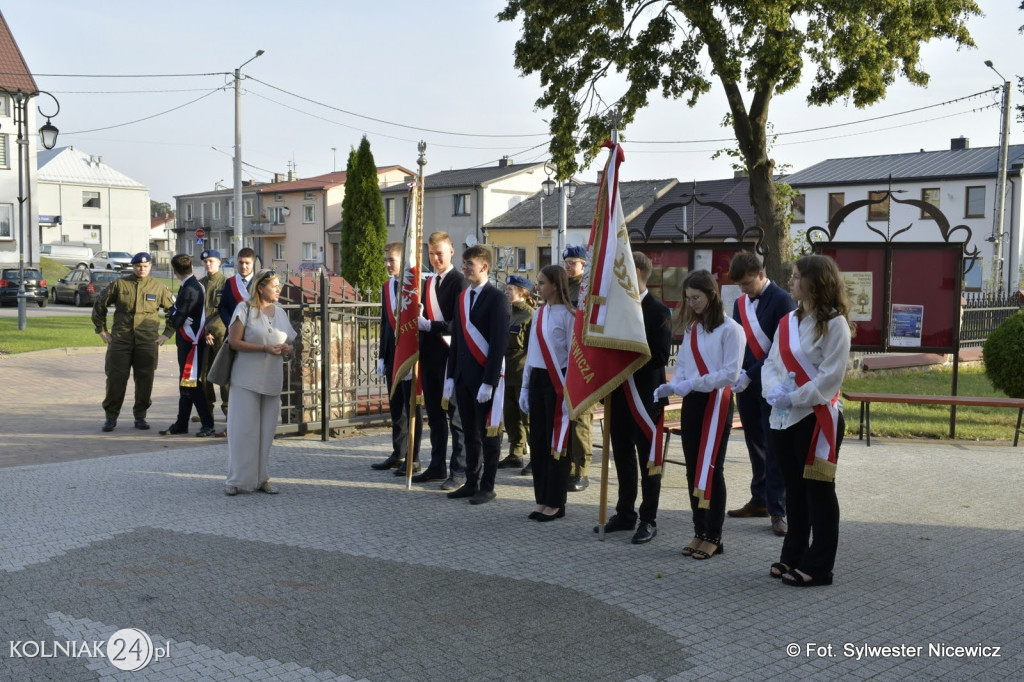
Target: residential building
{"points": [[90, 203], [960, 182]]}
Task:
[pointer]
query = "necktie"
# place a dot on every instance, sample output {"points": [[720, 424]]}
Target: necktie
{"points": [[437, 284], [472, 298]]}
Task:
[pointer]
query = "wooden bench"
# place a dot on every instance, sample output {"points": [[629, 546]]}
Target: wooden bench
{"points": [[865, 400]]}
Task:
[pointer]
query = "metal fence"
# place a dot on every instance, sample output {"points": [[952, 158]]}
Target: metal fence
{"points": [[982, 313]]}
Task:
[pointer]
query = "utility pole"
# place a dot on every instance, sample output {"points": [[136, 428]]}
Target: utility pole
{"points": [[238, 155], [1000, 198]]}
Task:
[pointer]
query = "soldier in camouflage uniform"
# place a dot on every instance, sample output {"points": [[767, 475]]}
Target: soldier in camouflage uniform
{"points": [[517, 424], [581, 436], [213, 282], [134, 340]]}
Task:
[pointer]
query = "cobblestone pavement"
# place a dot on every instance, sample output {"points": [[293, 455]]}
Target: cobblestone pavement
{"points": [[347, 575]]}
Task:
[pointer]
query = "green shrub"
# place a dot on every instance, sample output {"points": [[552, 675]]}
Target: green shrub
{"points": [[1004, 356]]}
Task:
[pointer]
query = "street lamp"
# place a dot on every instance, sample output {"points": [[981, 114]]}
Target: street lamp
{"points": [[48, 138], [238, 152], [1000, 198], [566, 191]]}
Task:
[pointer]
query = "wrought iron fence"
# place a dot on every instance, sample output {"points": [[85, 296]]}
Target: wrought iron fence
{"points": [[983, 312]]}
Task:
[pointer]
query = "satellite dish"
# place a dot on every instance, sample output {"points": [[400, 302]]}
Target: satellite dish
{"points": [[470, 240]]}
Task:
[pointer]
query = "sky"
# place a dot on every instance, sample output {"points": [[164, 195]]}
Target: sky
{"points": [[443, 67]]}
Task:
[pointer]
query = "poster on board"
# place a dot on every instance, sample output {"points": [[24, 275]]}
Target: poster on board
{"points": [[906, 324], [858, 291]]}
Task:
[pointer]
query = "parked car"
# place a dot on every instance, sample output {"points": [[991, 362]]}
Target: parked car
{"points": [[67, 255], [35, 286], [82, 286], [111, 260]]}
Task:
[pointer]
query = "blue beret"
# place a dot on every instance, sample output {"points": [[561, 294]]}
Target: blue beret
{"points": [[516, 280], [141, 257], [210, 253], [575, 252]]}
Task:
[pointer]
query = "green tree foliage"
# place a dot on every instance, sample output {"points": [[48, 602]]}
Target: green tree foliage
{"points": [[363, 231], [756, 49], [159, 209], [1004, 356]]}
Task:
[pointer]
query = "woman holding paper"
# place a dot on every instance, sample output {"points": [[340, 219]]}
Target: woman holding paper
{"points": [[543, 393], [707, 364], [801, 380]]}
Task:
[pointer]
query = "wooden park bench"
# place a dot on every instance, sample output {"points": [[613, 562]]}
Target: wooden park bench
{"points": [[865, 400]]}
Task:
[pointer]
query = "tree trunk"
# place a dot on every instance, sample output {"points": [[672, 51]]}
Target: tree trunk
{"points": [[777, 243]]}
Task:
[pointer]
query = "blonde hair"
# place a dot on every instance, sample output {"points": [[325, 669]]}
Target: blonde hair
{"points": [[438, 237], [557, 275], [259, 281]]}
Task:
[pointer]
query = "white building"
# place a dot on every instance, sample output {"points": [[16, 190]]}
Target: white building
{"points": [[97, 206]]}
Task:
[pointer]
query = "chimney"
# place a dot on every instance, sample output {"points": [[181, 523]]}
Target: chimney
{"points": [[958, 144], [278, 177], [504, 162], [291, 175]]}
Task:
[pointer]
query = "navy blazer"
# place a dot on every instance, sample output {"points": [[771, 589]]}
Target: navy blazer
{"points": [[490, 315], [658, 328], [387, 334], [433, 349], [772, 305], [190, 303]]}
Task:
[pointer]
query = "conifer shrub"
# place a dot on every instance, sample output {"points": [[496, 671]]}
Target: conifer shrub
{"points": [[1004, 356]]}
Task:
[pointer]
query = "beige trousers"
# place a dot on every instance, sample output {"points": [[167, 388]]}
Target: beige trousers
{"points": [[252, 420]]}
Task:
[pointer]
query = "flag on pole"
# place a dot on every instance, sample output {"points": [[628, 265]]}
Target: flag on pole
{"points": [[608, 340], [407, 345]]}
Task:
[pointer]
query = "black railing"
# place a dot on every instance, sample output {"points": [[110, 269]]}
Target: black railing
{"points": [[983, 312]]}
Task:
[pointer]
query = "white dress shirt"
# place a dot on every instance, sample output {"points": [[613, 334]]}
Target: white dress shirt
{"points": [[560, 327], [722, 350]]}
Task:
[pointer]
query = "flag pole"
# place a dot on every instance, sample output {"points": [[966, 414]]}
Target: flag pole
{"points": [[417, 232]]}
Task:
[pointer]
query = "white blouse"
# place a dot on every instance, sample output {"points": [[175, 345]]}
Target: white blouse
{"points": [[829, 354], [261, 372], [560, 326], [722, 351]]}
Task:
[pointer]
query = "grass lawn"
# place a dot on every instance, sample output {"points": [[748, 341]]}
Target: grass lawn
{"points": [[42, 333]]}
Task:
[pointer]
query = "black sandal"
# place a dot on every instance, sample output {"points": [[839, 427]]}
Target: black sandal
{"points": [[778, 569], [688, 550], [701, 554], [796, 580]]}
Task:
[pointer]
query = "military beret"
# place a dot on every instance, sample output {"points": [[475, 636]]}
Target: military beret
{"points": [[516, 280], [575, 252], [141, 257], [210, 253]]}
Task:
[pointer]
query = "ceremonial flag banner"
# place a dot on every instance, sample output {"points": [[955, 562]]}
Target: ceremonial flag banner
{"points": [[608, 341], [407, 345]]}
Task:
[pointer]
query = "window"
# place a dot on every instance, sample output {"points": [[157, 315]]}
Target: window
{"points": [[836, 200], [92, 200], [277, 215], [308, 250], [461, 204], [278, 197], [929, 195], [521, 259], [247, 204], [187, 210], [4, 111], [5, 159], [878, 211], [308, 195], [279, 251], [231, 211], [543, 257], [798, 208], [389, 212], [308, 213], [6, 216], [216, 210], [975, 202], [91, 233]]}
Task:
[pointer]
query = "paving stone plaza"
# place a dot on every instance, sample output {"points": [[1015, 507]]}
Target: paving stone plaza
{"points": [[346, 575]]}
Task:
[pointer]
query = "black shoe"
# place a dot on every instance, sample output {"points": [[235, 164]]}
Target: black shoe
{"points": [[511, 462], [482, 497], [400, 470], [428, 475], [527, 470], [578, 484], [466, 490], [452, 483], [645, 533], [389, 463], [173, 430], [206, 432], [541, 518], [109, 425], [142, 425], [616, 523]]}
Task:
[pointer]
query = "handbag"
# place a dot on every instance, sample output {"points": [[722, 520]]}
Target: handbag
{"points": [[220, 371]]}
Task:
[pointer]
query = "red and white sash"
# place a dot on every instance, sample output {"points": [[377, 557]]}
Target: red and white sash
{"points": [[478, 348], [390, 300], [432, 306], [712, 429], [757, 340], [236, 288], [653, 432], [190, 372], [822, 456], [541, 331]]}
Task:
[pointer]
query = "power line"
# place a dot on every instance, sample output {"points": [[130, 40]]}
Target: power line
{"points": [[146, 118]]}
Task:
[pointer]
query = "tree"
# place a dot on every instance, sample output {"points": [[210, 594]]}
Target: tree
{"points": [[755, 48], [159, 209], [363, 231]]}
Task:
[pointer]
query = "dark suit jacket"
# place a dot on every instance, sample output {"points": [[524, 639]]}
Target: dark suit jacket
{"points": [[433, 349], [772, 305], [191, 302], [490, 315], [658, 328], [387, 334], [226, 307]]}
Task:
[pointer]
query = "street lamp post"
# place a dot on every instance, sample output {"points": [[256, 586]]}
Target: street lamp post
{"points": [[1000, 198], [238, 153], [566, 191], [48, 138]]}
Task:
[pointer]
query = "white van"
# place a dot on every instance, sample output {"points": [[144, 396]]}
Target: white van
{"points": [[69, 256]]}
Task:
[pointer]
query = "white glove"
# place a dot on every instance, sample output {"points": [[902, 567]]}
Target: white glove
{"points": [[741, 383], [683, 387], [423, 324], [779, 397], [524, 400], [663, 391], [380, 368], [407, 377], [449, 389], [485, 393]]}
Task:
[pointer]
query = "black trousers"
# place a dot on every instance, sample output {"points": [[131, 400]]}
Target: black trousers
{"points": [[482, 451], [440, 419], [629, 448], [399, 407], [767, 488], [191, 395], [707, 522], [812, 508], [550, 475]]}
